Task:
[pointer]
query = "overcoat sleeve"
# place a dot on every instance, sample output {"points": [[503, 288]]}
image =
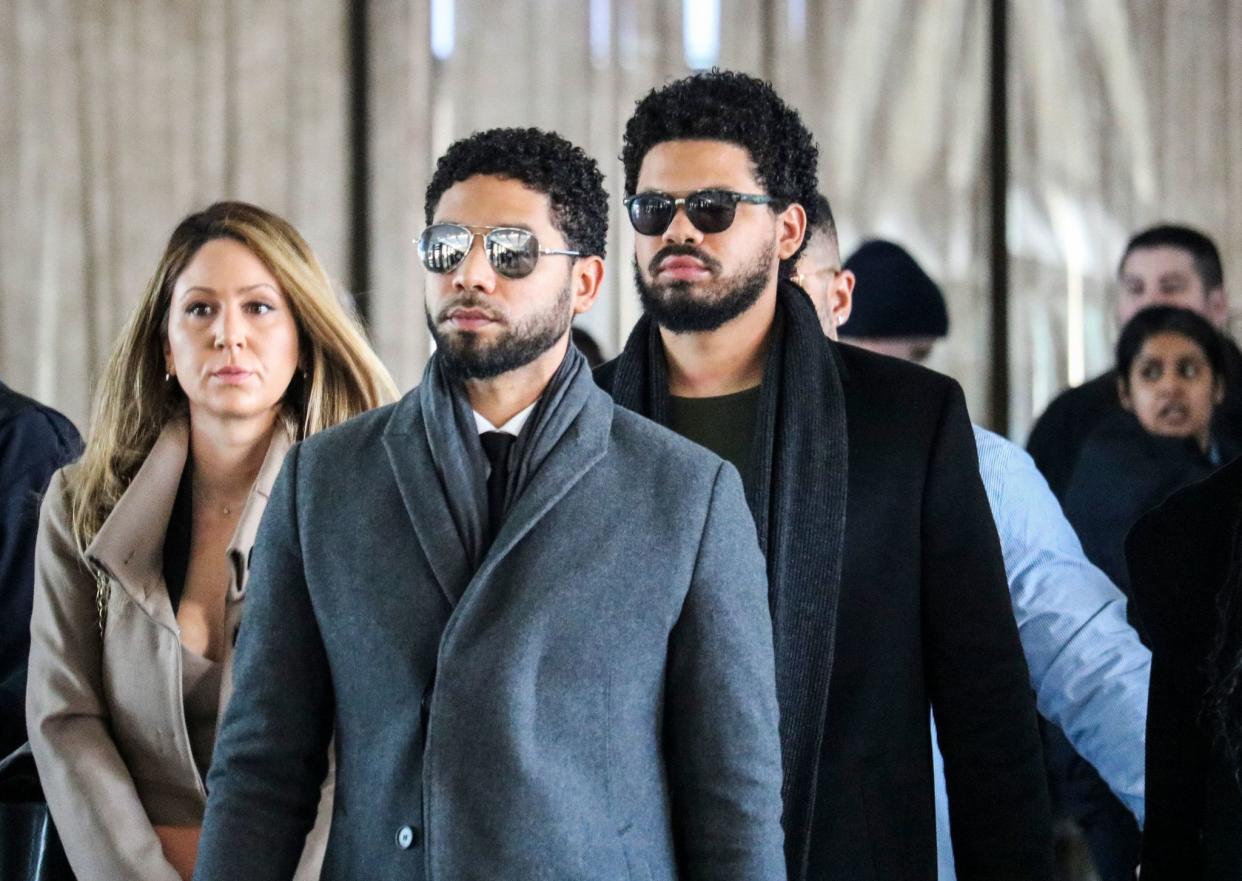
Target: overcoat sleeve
{"points": [[272, 751], [722, 718], [978, 680], [89, 790]]}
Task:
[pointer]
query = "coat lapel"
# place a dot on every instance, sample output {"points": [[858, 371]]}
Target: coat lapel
{"points": [[132, 552], [126, 546], [422, 492], [252, 512]]}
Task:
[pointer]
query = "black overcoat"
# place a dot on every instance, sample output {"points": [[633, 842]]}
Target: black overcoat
{"points": [[923, 618], [1180, 558]]}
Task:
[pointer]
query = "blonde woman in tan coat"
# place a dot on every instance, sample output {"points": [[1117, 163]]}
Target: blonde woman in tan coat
{"points": [[238, 348]]}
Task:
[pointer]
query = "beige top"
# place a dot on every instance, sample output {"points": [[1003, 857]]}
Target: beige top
{"points": [[121, 722]]}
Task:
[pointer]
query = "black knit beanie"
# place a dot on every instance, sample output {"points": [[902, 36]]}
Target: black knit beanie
{"points": [[893, 296]]}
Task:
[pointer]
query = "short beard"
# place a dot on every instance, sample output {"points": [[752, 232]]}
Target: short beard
{"points": [[466, 357], [676, 307]]}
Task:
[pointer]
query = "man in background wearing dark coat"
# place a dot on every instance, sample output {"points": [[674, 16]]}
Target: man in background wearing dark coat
{"points": [[1165, 265], [34, 442], [886, 582]]}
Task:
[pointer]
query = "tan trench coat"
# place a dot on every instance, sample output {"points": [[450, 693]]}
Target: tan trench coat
{"points": [[106, 713]]}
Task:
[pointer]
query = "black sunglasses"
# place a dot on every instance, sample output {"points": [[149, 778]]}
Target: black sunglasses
{"points": [[709, 210], [513, 252]]}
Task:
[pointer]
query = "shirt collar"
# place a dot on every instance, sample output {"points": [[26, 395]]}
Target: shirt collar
{"points": [[513, 426]]}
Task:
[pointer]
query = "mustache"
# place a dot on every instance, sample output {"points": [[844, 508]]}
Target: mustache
{"points": [[471, 301], [709, 262]]}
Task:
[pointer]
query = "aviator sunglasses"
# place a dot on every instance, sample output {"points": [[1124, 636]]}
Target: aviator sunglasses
{"points": [[511, 251], [709, 210]]}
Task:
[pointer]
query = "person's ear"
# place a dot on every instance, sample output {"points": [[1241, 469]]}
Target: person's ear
{"points": [[1123, 395], [841, 297], [1218, 307], [587, 279], [790, 230], [1218, 391]]}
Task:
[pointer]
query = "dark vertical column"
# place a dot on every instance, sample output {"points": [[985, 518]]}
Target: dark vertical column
{"points": [[998, 392], [360, 161], [769, 46], [232, 116]]}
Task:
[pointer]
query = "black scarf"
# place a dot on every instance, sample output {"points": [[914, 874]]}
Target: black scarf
{"points": [[796, 488], [455, 448]]}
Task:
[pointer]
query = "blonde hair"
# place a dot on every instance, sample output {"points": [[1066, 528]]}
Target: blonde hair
{"points": [[133, 401]]}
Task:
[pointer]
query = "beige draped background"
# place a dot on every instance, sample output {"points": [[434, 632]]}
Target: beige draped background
{"points": [[121, 116]]}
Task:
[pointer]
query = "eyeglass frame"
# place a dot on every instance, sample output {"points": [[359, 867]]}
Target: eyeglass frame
{"points": [[476, 235], [680, 202], [799, 277]]}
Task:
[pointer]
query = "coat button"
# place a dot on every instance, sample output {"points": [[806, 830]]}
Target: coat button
{"points": [[407, 837]]}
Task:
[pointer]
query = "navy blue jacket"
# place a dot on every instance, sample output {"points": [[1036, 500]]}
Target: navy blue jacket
{"points": [[34, 441]]}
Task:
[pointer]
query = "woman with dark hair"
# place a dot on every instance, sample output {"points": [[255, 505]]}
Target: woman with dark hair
{"points": [[1186, 564], [1171, 374], [1170, 379]]}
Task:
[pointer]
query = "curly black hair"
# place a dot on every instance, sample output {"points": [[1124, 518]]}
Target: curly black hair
{"points": [[722, 105], [543, 161]]}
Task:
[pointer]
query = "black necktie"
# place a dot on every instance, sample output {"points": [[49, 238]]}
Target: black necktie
{"points": [[496, 444]]}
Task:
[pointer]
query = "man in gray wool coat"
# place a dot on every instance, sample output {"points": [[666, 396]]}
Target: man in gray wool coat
{"points": [[536, 623]]}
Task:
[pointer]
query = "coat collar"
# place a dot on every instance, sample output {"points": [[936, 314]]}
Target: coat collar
{"points": [[130, 544], [252, 511], [422, 491], [422, 487]]}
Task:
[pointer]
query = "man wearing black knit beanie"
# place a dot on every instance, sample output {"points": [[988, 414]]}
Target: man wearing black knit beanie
{"points": [[904, 316], [886, 584]]}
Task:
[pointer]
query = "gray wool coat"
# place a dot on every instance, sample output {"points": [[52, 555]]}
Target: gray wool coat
{"points": [[597, 703]]}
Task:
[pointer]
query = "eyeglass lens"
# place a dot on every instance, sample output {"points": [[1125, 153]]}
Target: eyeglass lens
{"points": [[511, 252], [709, 210]]}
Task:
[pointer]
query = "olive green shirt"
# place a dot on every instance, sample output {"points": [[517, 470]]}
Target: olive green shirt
{"points": [[724, 424]]}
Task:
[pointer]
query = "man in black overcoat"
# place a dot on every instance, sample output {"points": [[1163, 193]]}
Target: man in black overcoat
{"points": [[887, 587]]}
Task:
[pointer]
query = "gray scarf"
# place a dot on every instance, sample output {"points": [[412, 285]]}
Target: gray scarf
{"points": [[458, 455]]}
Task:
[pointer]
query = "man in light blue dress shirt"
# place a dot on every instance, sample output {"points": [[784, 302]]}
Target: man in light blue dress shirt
{"points": [[1088, 668]]}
